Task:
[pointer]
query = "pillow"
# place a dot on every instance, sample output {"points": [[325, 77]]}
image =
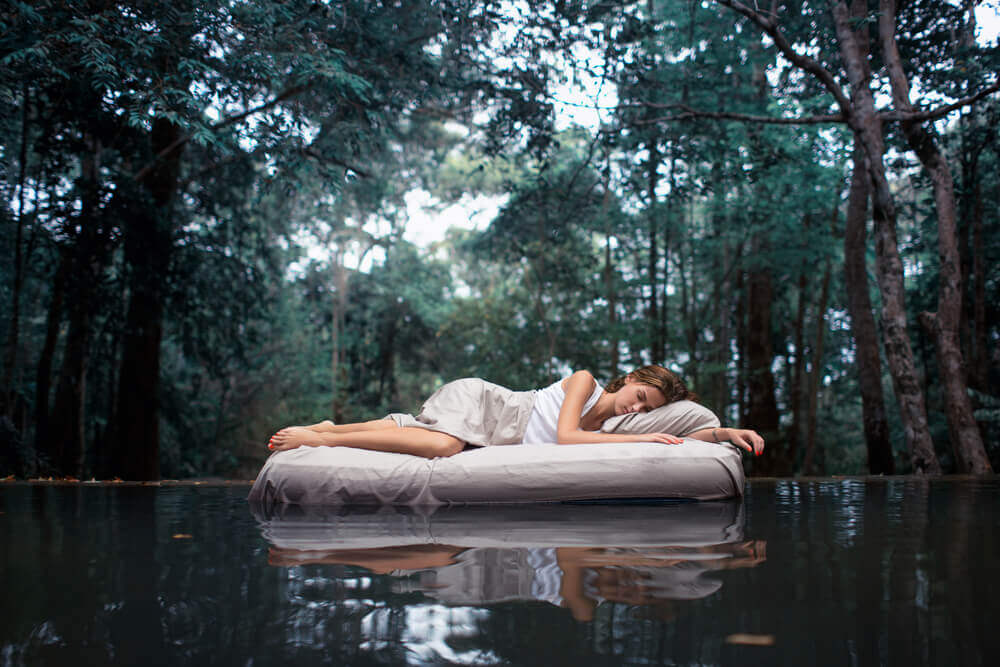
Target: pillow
{"points": [[678, 418]]}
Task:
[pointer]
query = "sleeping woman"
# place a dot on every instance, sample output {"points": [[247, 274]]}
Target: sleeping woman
{"points": [[475, 412]]}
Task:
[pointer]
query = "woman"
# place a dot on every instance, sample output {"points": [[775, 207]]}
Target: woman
{"points": [[476, 412]]}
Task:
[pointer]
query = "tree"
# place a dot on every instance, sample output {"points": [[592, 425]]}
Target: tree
{"points": [[860, 114]]}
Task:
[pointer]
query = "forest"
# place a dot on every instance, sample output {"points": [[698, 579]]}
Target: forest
{"points": [[208, 220]]}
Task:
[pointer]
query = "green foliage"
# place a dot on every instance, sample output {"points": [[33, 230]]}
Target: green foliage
{"points": [[289, 293]]}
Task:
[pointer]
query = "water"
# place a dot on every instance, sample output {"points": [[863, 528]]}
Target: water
{"points": [[833, 572]]}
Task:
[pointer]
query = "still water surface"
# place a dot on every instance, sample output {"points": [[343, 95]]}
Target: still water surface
{"points": [[837, 572]]}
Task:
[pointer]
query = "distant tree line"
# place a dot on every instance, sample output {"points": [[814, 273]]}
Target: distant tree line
{"points": [[204, 210]]}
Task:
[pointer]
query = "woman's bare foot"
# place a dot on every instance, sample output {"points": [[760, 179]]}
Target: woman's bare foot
{"points": [[294, 436], [325, 426]]}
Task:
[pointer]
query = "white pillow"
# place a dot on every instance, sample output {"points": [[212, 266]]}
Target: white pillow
{"points": [[678, 418]]}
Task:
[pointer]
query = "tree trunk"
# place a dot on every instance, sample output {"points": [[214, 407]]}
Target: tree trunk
{"points": [[981, 352], [611, 294], [13, 333], [148, 250], [44, 444], [67, 422], [741, 349], [809, 466], [889, 267], [762, 408], [339, 310], [722, 354], [968, 156], [798, 369], [965, 438], [866, 355], [88, 259], [653, 316]]}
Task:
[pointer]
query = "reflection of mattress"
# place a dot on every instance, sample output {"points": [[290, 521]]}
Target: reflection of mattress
{"points": [[513, 526], [508, 474], [497, 549]]}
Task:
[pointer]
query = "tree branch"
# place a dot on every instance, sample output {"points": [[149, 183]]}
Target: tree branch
{"points": [[183, 139], [801, 61], [939, 112], [687, 113]]}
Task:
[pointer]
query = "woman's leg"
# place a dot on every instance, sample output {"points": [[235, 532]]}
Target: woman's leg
{"points": [[403, 440], [328, 426]]}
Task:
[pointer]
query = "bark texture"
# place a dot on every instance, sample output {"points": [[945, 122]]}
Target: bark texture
{"points": [[869, 365], [867, 127], [811, 464], [970, 454], [43, 373], [762, 408]]}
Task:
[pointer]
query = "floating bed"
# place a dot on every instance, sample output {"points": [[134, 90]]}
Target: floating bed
{"points": [[501, 474]]}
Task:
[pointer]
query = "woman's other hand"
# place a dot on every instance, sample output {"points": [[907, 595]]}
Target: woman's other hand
{"points": [[746, 438]]}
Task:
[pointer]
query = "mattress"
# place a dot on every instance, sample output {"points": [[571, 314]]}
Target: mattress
{"points": [[509, 474]]}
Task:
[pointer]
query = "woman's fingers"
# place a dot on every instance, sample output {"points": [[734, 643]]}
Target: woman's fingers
{"points": [[756, 442], [737, 439], [748, 440]]}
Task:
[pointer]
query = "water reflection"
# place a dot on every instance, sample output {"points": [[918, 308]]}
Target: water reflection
{"points": [[893, 571], [570, 556]]}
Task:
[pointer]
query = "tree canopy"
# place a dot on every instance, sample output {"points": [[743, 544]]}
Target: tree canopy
{"points": [[206, 211]]}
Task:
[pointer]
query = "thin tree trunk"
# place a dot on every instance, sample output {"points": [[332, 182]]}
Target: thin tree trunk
{"points": [[13, 333], [970, 454], [889, 267], [44, 444], [741, 348], [866, 354], [798, 369], [762, 408], [67, 422], [968, 157], [339, 310], [611, 294], [723, 354], [981, 351], [690, 319], [653, 316], [816, 373]]}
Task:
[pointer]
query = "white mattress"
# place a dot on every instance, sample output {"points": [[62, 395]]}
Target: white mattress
{"points": [[505, 474]]}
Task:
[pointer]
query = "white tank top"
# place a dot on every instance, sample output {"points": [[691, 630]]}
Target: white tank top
{"points": [[545, 414]]}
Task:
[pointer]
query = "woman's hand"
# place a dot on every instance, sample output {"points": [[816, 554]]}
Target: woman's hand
{"points": [[743, 437]]}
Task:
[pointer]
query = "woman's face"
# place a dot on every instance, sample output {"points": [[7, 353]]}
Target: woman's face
{"points": [[637, 397]]}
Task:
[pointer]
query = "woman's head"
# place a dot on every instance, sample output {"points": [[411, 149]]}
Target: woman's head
{"points": [[666, 388]]}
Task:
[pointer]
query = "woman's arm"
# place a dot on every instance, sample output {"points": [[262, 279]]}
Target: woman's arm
{"points": [[578, 388], [741, 437]]}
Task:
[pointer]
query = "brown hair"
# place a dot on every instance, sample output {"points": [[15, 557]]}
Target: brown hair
{"points": [[670, 384]]}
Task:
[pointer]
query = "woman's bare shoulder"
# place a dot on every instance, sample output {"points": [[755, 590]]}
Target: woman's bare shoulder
{"points": [[581, 377]]}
